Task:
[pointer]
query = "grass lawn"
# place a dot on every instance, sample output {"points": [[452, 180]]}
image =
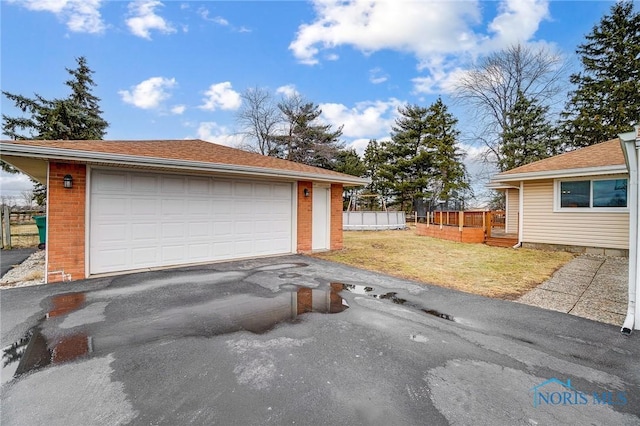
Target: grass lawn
{"points": [[474, 268]]}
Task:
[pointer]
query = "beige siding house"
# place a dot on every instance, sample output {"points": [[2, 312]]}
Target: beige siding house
{"points": [[577, 201]]}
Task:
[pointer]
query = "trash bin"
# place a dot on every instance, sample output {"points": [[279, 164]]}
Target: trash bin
{"points": [[41, 223]]}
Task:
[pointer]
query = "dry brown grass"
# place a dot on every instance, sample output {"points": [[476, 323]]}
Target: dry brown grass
{"points": [[474, 268]]}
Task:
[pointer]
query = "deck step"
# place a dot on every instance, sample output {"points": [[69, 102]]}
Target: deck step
{"points": [[501, 242]]}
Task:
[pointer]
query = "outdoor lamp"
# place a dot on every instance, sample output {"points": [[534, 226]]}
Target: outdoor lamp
{"points": [[306, 192], [67, 181]]}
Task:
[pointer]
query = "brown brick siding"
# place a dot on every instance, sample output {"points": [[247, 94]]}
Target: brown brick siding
{"points": [[452, 233], [304, 225], [66, 222]]}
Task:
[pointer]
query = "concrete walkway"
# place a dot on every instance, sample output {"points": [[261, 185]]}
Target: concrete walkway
{"points": [[590, 286]]}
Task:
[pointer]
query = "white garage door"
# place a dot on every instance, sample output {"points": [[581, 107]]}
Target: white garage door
{"points": [[143, 220]]}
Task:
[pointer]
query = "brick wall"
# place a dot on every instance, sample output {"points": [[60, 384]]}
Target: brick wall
{"points": [[304, 224], [336, 217], [66, 222], [451, 233]]}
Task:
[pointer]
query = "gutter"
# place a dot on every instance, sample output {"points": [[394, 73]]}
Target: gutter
{"points": [[17, 150], [631, 149]]}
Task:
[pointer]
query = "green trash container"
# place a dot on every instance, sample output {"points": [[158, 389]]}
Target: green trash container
{"points": [[41, 223]]}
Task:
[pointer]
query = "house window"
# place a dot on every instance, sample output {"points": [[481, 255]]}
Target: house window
{"points": [[593, 194]]}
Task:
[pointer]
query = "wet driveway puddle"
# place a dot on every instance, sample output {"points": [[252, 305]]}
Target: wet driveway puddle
{"points": [[75, 325], [394, 298], [36, 350]]}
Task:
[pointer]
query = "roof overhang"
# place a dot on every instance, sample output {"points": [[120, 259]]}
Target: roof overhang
{"points": [[30, 160], [501, 186], [556, 174]]}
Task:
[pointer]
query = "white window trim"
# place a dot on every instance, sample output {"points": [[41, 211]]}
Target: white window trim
{"points": [[556, 196]]}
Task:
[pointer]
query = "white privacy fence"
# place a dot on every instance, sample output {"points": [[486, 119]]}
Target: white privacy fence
{"points": [[361, 220]]}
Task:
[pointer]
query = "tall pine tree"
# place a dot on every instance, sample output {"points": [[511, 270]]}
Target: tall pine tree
{"points": [[77, 117], [422, 159], [306, 140], [529, 136], [606, 100]]}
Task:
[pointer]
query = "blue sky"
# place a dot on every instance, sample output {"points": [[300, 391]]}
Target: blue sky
{"points": [[176, 69]]}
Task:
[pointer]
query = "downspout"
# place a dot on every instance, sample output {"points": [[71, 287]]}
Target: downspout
{"points": [[520, 214], [631, 149]]}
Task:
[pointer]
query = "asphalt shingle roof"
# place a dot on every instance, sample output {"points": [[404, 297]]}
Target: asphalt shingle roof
{"points": [[185, 150], [600, 155]]}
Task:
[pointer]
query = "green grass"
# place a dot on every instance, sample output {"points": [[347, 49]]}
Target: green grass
{"points": [[474, 268]]}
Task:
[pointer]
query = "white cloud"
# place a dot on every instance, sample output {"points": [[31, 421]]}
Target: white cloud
{"points": [[178, 109], [441, 35], [150, 93], [144, 19], [369, 119], [81, 16], [213, 132], [221, 96], [14, 184], [204, 14], [288, 91], [377, 75]]}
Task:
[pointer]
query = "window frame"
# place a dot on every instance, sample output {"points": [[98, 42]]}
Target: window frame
{"points": [[557, 193]]}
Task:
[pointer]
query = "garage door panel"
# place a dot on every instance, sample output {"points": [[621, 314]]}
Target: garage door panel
{"points": [[113, 259], [173, 254], [197, 186], [199, 252], [243, 248], [144, 232], [144, 256], [174, 230], [199, 207], [144, 184], [172, 185], [113, 233], [171, 206], [111, 182], [113, 206], [141, 220], [144, 206], [222, 188], [199, 230], [242, 189]]}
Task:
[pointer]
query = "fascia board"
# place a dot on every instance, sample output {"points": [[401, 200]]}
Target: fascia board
{"points": [[132, 160], [553, 174]]}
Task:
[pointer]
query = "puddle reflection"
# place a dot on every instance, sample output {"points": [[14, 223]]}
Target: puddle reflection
{"points": [[33, 351], [218, 316]]}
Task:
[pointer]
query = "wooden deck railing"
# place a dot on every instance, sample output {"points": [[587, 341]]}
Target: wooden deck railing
{"points": [[468, 219]]}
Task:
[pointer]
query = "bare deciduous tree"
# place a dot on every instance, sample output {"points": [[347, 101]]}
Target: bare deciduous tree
{"points": [[260, 119], [491, 89]]}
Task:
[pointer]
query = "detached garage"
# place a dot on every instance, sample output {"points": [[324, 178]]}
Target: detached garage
{"points": [[136, 205]]}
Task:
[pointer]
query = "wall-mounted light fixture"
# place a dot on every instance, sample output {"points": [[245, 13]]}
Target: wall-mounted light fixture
{"points": [[306, 192], [67, 181]]}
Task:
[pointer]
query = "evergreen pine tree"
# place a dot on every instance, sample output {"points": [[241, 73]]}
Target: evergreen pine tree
{"points": [[529, 136], [422, 159], [77, 117], [606, 101], [306, 140]]}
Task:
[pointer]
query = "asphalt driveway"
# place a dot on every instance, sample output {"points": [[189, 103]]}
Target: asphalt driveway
{"points": [[10, 258], [297, 340]]}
